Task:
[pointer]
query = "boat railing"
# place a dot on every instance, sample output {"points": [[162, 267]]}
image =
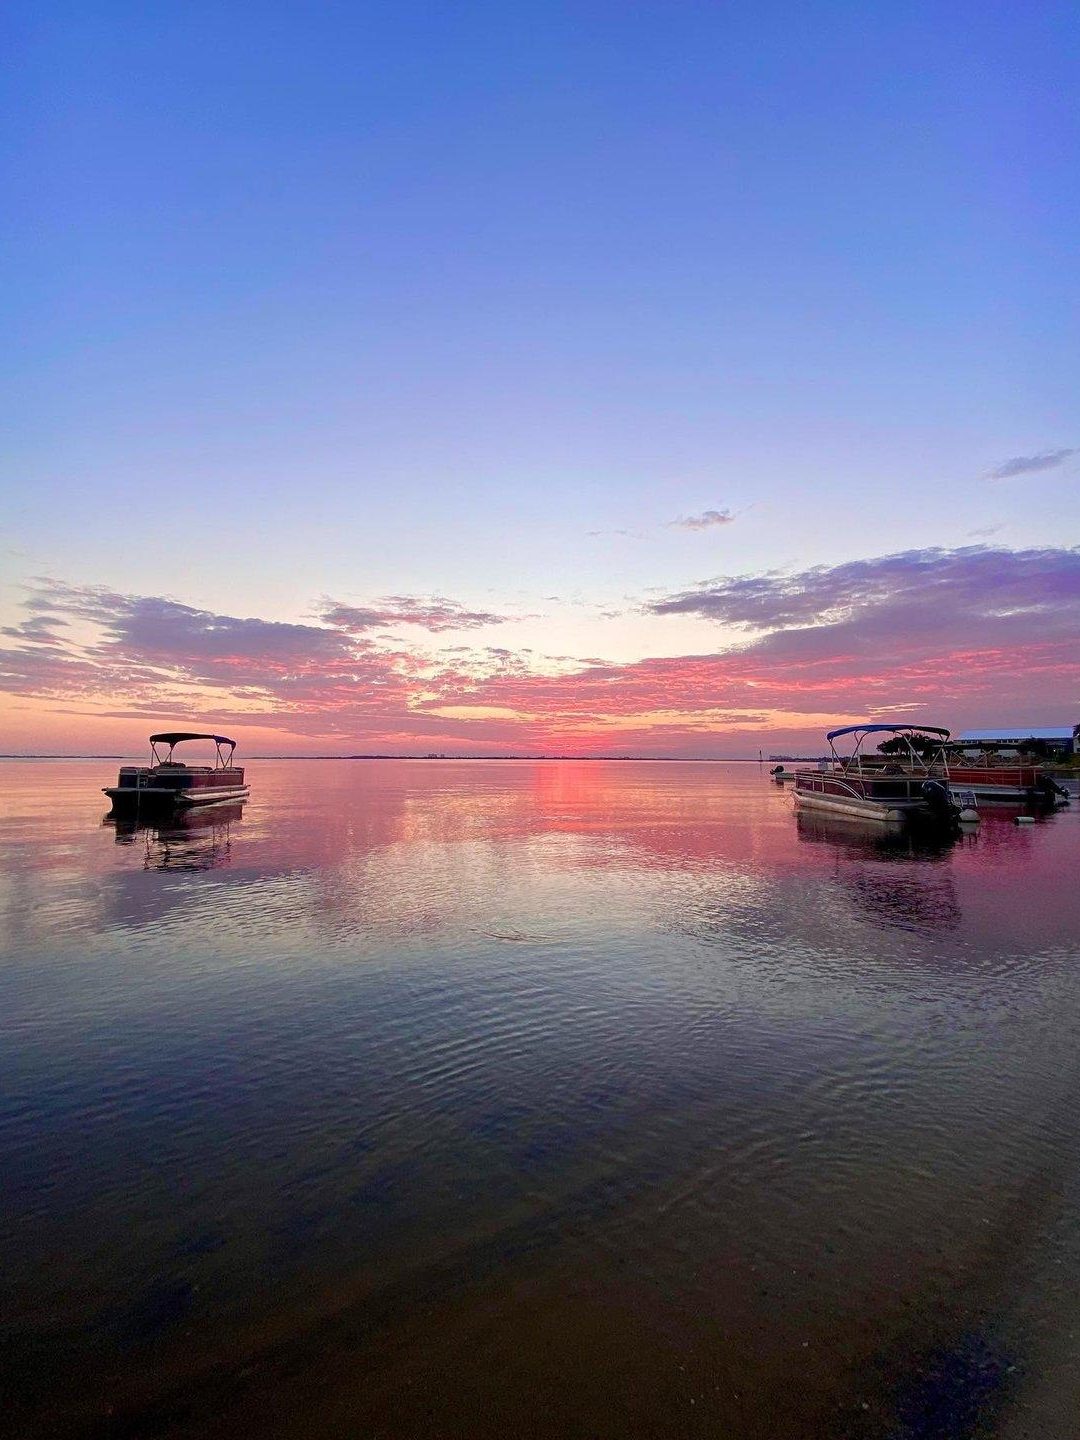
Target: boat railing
{"points": [[865, 786], [814, 781]]}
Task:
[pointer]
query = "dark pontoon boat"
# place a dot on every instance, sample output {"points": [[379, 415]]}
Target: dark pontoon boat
{"points": [[906, 787], [168, 782]]}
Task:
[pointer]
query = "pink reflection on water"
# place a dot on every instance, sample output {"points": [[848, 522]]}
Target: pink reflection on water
{"points": [[509, 846]]}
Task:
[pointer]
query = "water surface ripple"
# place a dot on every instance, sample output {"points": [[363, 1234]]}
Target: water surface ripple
{"points": [[579, 1099]]}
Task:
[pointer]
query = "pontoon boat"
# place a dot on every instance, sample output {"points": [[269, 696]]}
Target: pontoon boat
{"points": [[169, 782], [990, 775], [879, 787]]}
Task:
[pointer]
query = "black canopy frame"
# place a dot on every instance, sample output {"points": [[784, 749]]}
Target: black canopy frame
{"points": [[172, 738], [917, 762]]}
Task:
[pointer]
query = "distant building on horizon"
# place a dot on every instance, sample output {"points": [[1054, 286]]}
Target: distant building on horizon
{"points": [[1063, 738]]}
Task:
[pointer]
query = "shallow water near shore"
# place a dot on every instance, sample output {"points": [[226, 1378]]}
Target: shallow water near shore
{"points": [[476, 1099]]}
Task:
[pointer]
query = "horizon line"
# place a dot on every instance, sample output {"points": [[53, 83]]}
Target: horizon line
{"points": [[378, 755]]}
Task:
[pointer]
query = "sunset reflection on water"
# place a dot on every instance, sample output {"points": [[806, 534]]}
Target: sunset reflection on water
{"points": [[575, 1098]]}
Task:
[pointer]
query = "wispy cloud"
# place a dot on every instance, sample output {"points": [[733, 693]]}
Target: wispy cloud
{"points": [[919, 591], [435, 614], [1030, 464], [151, 648], [38, 629], [707, 520]]}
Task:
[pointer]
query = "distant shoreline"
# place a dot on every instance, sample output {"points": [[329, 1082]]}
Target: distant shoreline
{"points": [[638, 759]]}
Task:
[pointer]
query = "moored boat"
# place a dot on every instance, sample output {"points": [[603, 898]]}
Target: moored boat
{"points": [[907, 789], [168, 783], [992, 776]]}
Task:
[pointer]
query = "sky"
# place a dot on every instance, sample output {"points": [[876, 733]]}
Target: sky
{"points": [[670, 378]]}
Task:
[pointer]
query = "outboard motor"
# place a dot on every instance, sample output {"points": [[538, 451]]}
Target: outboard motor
{"points": [[939, 799], [1049, 792]]}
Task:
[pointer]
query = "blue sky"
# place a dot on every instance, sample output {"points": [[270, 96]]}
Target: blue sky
{"points": [[476, 300]]}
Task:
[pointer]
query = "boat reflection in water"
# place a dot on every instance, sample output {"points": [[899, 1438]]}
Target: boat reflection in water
{"points": [[901, 876], [184, 839], [891, 839]]}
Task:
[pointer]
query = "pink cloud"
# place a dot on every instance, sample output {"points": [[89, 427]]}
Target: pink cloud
{"points": [[965, 636]]}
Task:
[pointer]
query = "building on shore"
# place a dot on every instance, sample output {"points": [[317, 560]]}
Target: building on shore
{"points": [[1058, 739]]}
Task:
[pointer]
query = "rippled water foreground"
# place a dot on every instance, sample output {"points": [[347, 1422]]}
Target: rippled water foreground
{"points": [[510, 1099]]}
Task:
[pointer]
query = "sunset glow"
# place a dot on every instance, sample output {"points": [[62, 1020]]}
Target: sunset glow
{"points": [[656, 380], [922, 635]]}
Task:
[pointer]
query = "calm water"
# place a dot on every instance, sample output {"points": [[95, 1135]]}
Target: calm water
{"points": [[510, 1099]]}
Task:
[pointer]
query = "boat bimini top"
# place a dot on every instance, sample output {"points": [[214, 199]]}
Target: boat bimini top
{"points": [[222, 743], [848, 730], [861, 732]]}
